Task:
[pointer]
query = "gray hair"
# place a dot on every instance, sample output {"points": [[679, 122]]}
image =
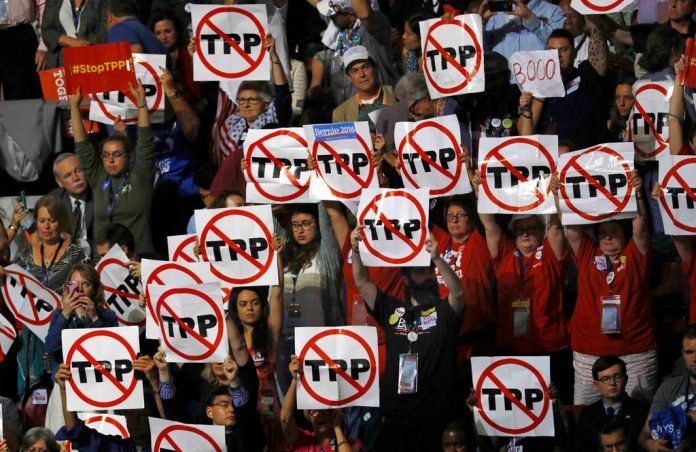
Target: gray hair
{"points": [[34, 434], [59, 159], [411, 87], [263, 88]]}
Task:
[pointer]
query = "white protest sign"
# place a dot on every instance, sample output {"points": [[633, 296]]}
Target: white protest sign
{"points": [[230, 42], [180, 248], [648, 125], [29, 301], [169, 273], [169, 435], [239, 244], [600, 6], [453, 55], [101, 364], [539, 72], [340, 367], [191, 322], [7, 337], [276, 166], [396, 227], [430, 156], [596, 184], [678, 203], [515, 174], [342, 154], [121, 290], [106, 107], [106, 424], [512, 396]]}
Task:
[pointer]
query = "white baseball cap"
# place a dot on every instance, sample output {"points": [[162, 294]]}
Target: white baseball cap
{"points": [[355, 53], [330, 7]]}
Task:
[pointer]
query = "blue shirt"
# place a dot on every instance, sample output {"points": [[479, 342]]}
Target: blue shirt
{"points": [[131, 30], [507, 34]]}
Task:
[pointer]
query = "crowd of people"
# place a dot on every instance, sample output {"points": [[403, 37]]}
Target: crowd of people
{"points": [[613, 304]]}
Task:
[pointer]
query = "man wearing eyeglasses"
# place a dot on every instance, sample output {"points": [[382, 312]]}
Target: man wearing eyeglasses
{"points": [[370, 94], [609, 375]]}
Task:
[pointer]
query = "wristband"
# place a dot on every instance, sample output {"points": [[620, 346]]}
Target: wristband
{"points": [[141, 106], [672, 115]]}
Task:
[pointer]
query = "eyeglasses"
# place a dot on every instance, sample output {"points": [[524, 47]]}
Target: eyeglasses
{"points": [[224, 405], [357, 69], [456, 217], [113, 155], [412, 109], [304, 225], [249, 100], [612, 378]]}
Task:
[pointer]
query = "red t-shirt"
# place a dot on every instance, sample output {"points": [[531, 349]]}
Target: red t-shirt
{"points": [[631, 284], [542, 283], [472, 264], [690, 270], [307, 442]]}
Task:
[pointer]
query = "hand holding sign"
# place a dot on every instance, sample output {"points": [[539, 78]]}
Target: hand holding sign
{"points": [[538, 72]]}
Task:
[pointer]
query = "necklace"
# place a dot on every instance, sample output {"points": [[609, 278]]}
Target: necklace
{"points": [[48, 259]]}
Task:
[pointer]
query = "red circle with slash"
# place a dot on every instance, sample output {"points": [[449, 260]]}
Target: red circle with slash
{"points": [[211, 228], [410, 138], [535, 419], [78, 347], [207, 21], [415, 248], [339, 161], [259, 144], [155, 104], [179, 254], [496, 153], [662, 144], [674, 173], [601, 9], [620, 204], [164, 435], [455, 64], [191, 292], [100, 268], [154, 278], [25, 280], [361, 390]]}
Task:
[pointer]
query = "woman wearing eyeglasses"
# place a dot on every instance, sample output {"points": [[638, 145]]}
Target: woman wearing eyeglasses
{"points": [[121, 181]]}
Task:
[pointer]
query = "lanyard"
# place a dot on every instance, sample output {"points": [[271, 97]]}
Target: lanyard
{"points": [[76, 12], [113, 197], [47, 270], [610, 274], [520, 258]]}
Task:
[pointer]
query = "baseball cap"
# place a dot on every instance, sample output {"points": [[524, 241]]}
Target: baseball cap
{"points": [[355, 53], [330, 7]]}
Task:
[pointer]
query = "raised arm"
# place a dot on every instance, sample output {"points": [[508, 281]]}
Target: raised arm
{"points": [[452, 281], [63, 375], [279, 77], [556, 235], [79, 132], [339, 222], [493, 231], [138, 93], [287, 411], [530, 113], [275, 315], [367, 288], [675, 117], [641, 234], [597, 49], [237, 348], [542, 28], [184, 113]]}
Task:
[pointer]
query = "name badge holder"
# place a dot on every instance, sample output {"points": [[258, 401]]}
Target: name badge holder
{"points": [[520, 306], [294, 308], [611, 304], [408, 363]]}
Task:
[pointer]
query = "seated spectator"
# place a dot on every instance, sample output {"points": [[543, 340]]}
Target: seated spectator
{"points": [[613, 436], [370, 93], [609, 374], [614, 266], [580, 116], [326, 424], [676, 392], [59, 29], [121, 184], [122, 21]]}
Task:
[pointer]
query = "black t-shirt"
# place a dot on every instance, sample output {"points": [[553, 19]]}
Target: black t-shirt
{"points": [[580, 116], [440, 392]]}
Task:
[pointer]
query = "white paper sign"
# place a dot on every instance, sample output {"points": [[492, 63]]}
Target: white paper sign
{"points": [[600, 6], [230, 42], [596, 184], [515, 174], [538, 72], [180, 248], [648, 126], [191, 322], [7, 337], [431, 157], [106, 424], [340, 367], [121, 290], [277, 170], [29, 301], [396, 227], [678, 203], [453, 55], [169, 435], [100, 361], [512, 396], [342, 154], [106, 107]]}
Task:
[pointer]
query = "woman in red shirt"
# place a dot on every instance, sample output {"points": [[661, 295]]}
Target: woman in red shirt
{"points": [[613, 310]]}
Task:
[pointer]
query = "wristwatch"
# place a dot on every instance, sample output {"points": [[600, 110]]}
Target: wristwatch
{"points": [[12, 227]]}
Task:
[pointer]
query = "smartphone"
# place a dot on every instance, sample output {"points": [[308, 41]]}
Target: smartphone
{"points": [[23, 199], [501, 5], [73, 286]]}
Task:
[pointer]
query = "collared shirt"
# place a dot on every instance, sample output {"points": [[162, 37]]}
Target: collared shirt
{"points": [[83, 225], [25, 12], [507, 34], [614, 406]]}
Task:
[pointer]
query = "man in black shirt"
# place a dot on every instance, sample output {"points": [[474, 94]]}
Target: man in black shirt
{"points": [[421, 390]]}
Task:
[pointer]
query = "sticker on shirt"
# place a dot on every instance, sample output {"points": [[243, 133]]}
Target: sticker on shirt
{"points": [[573, 85], [398, 313], [349, 258], [600, 263], [428, 319]]}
